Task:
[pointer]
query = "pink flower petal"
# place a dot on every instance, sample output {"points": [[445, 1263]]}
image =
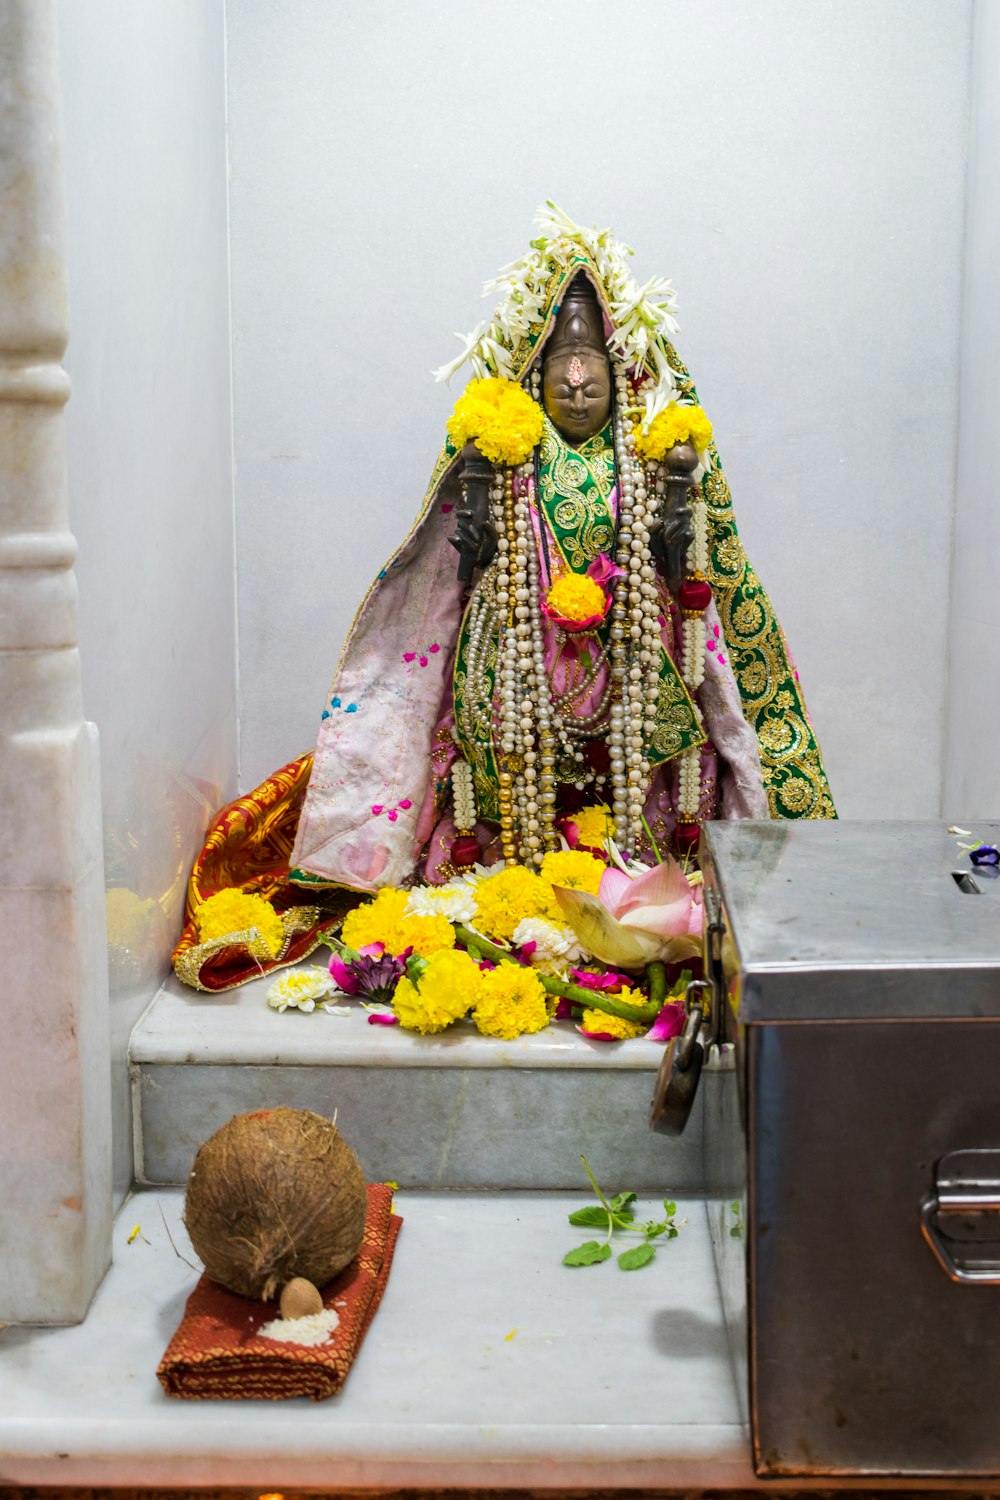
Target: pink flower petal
{"points": [[434, 649], [614, 888], [372, 950], [342, 976], [670, 1022], [603, 571], [527, 949], [598, 1036], [406, 803], [423, 661], [377, 808], [382, 1018], [392, 815], [409, 656]]}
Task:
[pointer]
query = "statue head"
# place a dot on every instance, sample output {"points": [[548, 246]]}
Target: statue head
{"points": [[576, 373]]}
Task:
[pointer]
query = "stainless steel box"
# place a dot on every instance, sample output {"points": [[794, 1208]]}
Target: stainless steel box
{"points": [[853, 1138]]}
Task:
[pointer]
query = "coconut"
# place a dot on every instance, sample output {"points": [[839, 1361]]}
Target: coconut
{"points": [[275, 1195]]}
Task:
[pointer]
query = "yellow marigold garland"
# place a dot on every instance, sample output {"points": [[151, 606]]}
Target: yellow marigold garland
{"points": [[675, 424], [512, 1003], [573, 869], [235, 911], [450, 984], [574, 596], [505, 899], [501, 418], [385, 921]]}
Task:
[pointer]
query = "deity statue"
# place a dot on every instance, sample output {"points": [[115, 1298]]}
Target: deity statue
{"points": [[602, 643]]}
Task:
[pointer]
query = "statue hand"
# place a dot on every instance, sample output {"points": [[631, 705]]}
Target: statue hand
{"points": [[670, 539], [475, 537]]}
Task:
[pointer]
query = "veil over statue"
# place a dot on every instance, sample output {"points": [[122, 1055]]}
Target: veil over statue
{"points": [[615, 649]]}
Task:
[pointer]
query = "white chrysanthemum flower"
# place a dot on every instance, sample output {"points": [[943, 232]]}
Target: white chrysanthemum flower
{"points": [[300, 989], [456, 901], [556, 944]]}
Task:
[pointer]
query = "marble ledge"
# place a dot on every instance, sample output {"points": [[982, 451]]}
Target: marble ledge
{"points": [[185, 1026], [488, 1364]]}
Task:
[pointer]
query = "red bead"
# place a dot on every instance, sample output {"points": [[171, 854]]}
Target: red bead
{"points": [[465, 850], [686, 836], [694, 593]]}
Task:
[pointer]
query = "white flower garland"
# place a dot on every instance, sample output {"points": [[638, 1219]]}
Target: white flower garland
{"points": [[642, 316]]}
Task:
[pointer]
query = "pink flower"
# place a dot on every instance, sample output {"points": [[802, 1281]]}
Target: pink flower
{"points": [[636, 919], [670, 1022], [603, 571]]}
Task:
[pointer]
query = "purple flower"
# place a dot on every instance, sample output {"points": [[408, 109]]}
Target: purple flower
{"points": [[372, 976], [986, 854]]}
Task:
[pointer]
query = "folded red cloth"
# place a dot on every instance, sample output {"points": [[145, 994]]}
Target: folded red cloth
{"points": [[216, 1352]]}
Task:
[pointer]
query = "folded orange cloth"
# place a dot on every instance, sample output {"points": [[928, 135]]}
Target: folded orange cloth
{"points": [[216, 1352]]}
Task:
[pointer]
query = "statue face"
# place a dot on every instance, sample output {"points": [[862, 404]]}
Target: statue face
{"points": [[576, 376]]}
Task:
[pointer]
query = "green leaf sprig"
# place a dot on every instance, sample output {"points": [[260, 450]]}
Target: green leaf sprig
{"points": [[617, 1214]]}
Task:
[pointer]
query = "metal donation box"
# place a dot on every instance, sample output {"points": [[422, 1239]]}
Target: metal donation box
{"points": [[850, 1036]]}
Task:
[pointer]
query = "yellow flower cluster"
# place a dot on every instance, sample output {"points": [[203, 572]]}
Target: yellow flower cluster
{"points": [[450, 984], [594, 825], [574, 869], [511, 1004], [616, 1026], [502, 419], [235, 911], [675, 424], [574, 596], [385, 921], [505, 899]]}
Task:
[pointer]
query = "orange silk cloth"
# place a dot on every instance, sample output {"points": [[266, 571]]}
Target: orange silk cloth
{"points": [[217, 1352], [248, 847]]}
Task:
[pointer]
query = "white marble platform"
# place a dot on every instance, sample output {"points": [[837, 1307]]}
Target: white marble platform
{"points": [[489, 1364], [456, 1111]]}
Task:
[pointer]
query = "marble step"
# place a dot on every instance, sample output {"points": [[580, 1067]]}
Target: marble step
{"points": [[488, 1365], [455, 1111]]}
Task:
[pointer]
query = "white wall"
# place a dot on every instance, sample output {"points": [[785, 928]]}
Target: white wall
{"points": [[150, 474], [972, 781], [797, 169]]}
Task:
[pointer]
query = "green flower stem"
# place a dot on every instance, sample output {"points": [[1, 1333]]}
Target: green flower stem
{"points": [[656, 973], [577, 993]]}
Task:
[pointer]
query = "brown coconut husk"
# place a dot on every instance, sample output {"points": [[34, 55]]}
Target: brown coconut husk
{"points": [[274, 1195]]}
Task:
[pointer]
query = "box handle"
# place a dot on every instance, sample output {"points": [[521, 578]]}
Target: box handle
{"points": [[963, 1213]]}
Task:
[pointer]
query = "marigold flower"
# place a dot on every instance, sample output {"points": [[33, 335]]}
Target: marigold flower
{"points": [[512, 1003], [450, 983], [502, 419], [573, 869], [229, 912], [600, 1023], [575, 599], [385, 920], [675, 424], [505, 899], [594, 825]]}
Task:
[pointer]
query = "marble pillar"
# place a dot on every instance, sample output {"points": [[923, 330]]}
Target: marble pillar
{"points": [[55, 1144]]}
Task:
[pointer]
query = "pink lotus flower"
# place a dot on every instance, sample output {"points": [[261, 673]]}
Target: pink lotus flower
{"points": [[636, 919]]}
